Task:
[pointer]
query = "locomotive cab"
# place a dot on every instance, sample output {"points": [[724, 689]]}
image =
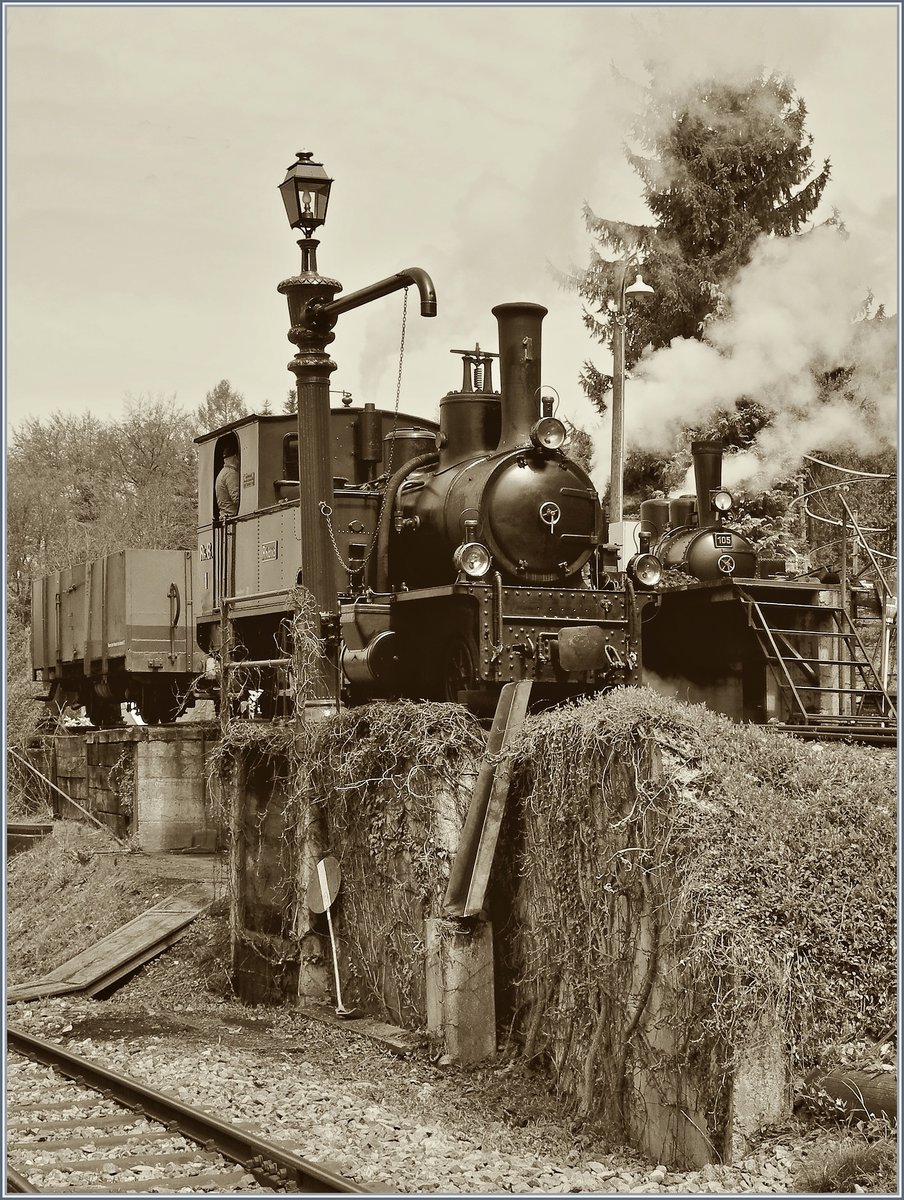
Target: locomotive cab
{"points": [[252, 560]]}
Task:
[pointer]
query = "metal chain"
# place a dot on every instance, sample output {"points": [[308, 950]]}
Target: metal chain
{"points": [[325, 508]]}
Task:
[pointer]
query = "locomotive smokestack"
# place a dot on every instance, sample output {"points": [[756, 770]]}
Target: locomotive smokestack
{"points": [[519, 368], [707, 458]]}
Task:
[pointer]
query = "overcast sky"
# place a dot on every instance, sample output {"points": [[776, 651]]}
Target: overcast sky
{"points": [[145, 235]]}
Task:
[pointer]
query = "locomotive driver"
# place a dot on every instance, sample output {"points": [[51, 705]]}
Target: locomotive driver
{"points": [[227, 484]]}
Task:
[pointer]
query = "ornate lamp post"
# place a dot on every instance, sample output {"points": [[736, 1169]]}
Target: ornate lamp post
{"points": [[313, 313], [306, 193], [619, 309]]}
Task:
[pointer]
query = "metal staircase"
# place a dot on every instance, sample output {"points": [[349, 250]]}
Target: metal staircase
{"points": [[828, 684]]}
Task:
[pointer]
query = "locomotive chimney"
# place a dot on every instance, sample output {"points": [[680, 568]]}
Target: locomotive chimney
{"points": [[708, 477], [519, 368]]}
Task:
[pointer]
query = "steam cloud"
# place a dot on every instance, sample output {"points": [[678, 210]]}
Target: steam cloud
{"points": [[792, 317]]}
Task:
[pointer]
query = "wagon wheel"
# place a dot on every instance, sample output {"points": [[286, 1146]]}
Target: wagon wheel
{"points": [[159, 706], [458, 672], [104, 714]]}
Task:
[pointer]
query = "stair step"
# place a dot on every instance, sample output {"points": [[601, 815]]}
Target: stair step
{"points": [[846, 691], [797, 659], [821, 633]]}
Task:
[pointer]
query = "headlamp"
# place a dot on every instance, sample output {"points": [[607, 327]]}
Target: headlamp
{"points": [[722, 501], [548, 433], [645, 569], [472, 558]]}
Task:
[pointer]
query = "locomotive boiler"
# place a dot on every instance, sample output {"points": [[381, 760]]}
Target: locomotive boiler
{"points": [[502, 494]]}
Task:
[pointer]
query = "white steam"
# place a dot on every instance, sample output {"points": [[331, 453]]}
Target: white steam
{"points": [[792, 317]]}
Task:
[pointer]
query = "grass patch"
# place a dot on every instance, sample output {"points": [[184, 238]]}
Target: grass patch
{"points": [[867, 1162], [64, 894]]}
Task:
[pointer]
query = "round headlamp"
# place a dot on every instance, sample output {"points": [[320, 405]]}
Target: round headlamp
{"points": [[472, 558], [645, 569], [548, 433], [722, 501]]}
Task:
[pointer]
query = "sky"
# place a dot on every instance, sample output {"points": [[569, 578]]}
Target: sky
{"points": [[145, 236]]}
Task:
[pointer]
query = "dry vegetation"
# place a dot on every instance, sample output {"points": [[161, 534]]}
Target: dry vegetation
{"points": [[777, 856], [66, 893]]}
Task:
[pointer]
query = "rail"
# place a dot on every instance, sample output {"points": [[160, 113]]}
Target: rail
{"points": [[264, 1159]]}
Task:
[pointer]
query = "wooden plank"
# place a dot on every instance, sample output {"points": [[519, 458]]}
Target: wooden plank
{"points": [[144, 930], [470, 871], [124, 949], [400, 1041]]}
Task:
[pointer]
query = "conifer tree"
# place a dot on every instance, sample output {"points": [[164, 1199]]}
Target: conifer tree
{"points": [[721, 164]]}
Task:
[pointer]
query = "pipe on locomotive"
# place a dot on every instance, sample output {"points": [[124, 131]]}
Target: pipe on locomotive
{"points": [[707, 456], [389, 499], [519, 368]]}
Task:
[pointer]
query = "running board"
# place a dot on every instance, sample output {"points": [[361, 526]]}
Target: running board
{"points": [[473, 860]]}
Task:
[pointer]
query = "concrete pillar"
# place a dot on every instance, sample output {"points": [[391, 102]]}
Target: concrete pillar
{"points": [[170, 795], [461, 1007]]}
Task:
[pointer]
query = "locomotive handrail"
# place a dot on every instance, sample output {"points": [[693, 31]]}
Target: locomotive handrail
{"points": [[255, 662], [257, 596], [383, 287]]}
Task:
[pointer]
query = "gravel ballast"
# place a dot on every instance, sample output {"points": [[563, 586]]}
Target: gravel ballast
{"points": [[400, 1125]]}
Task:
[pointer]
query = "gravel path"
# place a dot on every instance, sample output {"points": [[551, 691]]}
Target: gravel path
{"points": [[400, 1125]]}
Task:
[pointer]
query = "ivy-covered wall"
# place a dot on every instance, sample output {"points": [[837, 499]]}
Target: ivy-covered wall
{"points": [[686, 912]]}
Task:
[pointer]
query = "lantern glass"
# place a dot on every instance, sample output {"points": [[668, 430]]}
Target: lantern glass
{"points": [[306, 193]]}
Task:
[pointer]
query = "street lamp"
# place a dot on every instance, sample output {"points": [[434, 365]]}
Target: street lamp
{"points": [[313, 312], [616, 475], [306, 193]]}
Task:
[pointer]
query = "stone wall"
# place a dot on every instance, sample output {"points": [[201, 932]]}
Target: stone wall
{"points": [[145, 783]]}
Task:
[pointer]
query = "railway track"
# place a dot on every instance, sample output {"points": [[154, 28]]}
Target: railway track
{"points": [[73, 1125]]}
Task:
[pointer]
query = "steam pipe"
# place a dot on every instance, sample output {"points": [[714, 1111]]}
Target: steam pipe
{"points": [[393, 283]]}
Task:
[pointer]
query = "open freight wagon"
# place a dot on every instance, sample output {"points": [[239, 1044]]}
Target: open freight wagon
{"points": [[115, 630]]}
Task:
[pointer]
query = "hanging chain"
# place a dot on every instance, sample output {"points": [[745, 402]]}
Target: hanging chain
{"points": [[325, 508]]}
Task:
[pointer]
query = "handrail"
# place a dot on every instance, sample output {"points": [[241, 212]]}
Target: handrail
{"points": [[866, 546], [838, 524], [831, 487], [886, 590], [847, 470]]}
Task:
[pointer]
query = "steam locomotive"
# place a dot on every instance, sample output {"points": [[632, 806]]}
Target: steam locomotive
{"points": [[467, 554]]}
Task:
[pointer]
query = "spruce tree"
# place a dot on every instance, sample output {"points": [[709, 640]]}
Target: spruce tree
{"points": [[722, 165]]}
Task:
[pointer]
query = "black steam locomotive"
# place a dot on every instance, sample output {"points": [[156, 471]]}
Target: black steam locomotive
{"points": [[466, 554]]}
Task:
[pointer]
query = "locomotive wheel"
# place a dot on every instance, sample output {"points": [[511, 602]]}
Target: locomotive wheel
{"points": [[458, 669]]}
